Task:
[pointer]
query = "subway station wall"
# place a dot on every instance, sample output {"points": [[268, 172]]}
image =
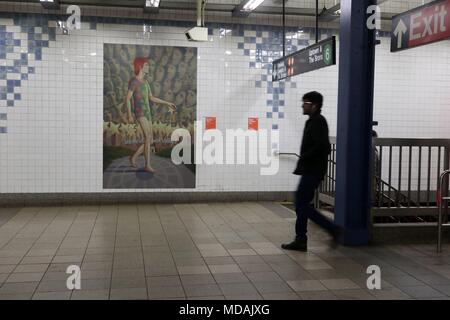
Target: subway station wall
{"points": [[52, 98]]}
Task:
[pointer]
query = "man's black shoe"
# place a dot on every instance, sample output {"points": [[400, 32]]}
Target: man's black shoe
{"points": [[295, 245], [336, 234]]}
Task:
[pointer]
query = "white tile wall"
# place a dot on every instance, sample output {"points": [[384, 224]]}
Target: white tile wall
{"points": [[54, 140]]}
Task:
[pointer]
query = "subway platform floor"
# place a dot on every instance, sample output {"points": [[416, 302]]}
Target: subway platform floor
{"points": [[199, 251]]}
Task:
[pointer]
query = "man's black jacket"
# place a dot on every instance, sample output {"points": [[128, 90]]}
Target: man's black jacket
{"points": [[315, 148]]}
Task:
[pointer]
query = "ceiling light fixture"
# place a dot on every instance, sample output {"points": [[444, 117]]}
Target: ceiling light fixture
{"points": [[151, 6], [246, 7], [50, 4]]}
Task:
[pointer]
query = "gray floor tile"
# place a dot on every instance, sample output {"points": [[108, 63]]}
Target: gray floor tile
{"points": [[237, 289], [339, 284], [253, 267], [422, 292], [52, 286], [29, 268], [219, 260], [403, 281], [9, 261], [197, 279], [272, 287], [95, 274], [202, 290], [25, 277], [281, 296], [390, 294], [128, 294], [193, 270], [95, 284], [124, 273], [249, 260], [129, 282], [169, 281], [13, 288], [90, 295], [227, 268], [306, 285], [444, 289], [353, 294], [269, 276], [247, 296], [230, 278], [317, 295], [208, 298], [166, 292], [16, 296], [7, 268], [64, 295]]}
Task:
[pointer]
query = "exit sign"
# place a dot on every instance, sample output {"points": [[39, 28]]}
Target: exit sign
{"points": [[420, 26]]}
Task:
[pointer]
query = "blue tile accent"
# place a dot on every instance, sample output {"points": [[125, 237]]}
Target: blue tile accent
{"points": [[258, 84], [281, 115], [274, 127], [3, 130], [269, 102], [269, 115], [10, 103], [240, 45], [24, 76], [17, 96], [3, 116], [247, 52], [250, 39]]}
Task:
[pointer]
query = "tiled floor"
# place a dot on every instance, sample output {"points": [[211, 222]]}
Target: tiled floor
{"points": [[199, 251]]}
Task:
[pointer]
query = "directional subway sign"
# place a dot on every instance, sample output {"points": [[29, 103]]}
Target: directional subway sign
{"points": [[317, 56], [420, 26]]}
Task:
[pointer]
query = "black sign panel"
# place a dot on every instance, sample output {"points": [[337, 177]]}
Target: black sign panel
{"points": [[420, 26], [317, 56]]}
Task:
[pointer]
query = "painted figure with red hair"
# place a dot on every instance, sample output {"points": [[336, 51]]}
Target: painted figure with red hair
{"points": [[140, 94]]}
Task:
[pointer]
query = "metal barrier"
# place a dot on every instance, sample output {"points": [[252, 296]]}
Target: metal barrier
{"points": [[408, 175], [327, 189], [440, 200], [405, 175]]}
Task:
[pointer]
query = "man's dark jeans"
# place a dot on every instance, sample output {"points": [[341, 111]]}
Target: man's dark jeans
{"points": [[305, 194]]}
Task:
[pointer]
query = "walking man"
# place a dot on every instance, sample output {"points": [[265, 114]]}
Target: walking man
{"points": [[312, 166]]}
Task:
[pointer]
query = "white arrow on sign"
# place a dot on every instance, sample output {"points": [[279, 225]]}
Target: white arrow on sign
{"points": [[399, 31]]}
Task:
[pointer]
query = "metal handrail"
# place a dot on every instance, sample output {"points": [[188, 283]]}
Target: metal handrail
{"points": [[286, 154], [440, 198]]}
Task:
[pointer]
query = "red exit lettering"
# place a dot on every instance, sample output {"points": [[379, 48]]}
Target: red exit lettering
{"points": [[430, 24]]}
